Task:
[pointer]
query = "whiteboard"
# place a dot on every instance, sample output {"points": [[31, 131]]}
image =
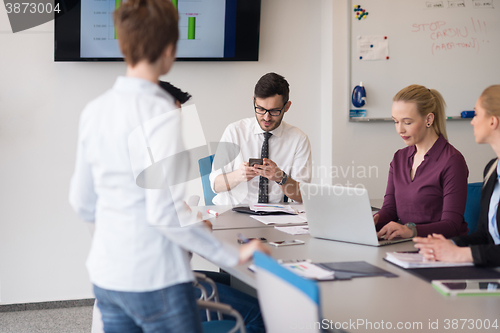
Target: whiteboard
{"points": [[451, 45]]}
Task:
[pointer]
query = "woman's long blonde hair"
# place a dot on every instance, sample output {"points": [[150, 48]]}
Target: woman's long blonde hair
{"points": [[427, 101]]}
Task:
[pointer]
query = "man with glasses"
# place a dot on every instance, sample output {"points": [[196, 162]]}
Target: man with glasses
{"points": [[284, 149]]}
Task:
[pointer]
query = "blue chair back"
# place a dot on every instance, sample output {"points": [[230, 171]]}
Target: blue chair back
{"points": [[205, 165], [285, 298], [473, 205]]}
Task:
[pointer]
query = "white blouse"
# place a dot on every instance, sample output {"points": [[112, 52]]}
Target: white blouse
{"points": [[142, 235]]}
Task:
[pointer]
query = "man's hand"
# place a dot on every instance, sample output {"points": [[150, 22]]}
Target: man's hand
{"points": [[245, 172], [394, 229], [269, 170], [247, 250], [229, 181]]}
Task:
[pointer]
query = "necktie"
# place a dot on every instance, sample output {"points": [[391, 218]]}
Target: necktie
{"points": [[264, 182]]}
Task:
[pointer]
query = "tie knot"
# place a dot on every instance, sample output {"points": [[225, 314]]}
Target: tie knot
{"points": [[267, 135]]}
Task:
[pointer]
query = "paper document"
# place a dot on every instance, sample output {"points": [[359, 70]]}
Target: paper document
{"points": [[280, 219], [309, 270], [373, 48], [261, 207], [294, 230], [305, 269], [416, 260]]}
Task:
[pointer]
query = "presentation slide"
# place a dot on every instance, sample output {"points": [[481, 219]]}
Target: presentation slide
{"points": [[201, 28]]}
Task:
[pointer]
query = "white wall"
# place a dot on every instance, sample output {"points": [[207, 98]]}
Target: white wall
{"points": [[43, 245]]}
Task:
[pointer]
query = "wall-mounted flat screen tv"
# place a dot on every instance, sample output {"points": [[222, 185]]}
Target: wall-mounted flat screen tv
{"points": [[214, 30]]}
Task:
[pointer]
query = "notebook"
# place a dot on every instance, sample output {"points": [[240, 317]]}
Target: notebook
{"points": [[341, 214], [247, 210], [416, 260]]}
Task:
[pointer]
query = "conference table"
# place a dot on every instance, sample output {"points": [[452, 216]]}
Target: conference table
{"points": [[402, 303]]}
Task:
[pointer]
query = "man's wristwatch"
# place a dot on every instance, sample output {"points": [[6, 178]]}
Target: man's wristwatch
{"points": [[413, 228], [283, 180]]}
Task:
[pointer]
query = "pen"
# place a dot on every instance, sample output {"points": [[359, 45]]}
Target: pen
{"points": [[212, 212], [268, 206], [243, 238]]}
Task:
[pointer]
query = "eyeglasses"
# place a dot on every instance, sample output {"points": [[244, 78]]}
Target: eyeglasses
{"points": [[274, 113]]}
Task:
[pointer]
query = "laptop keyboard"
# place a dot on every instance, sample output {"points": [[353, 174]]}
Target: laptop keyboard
{"points": [[384, 241]]}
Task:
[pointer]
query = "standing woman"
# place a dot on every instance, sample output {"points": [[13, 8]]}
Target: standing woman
{"points": [[481, 247], [427, 185], [126, 183]]}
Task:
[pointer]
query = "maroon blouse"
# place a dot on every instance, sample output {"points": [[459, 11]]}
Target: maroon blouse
{"points": [[435, 199]]}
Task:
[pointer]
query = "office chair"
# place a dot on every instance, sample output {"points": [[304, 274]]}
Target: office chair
{"points": [[211, 303], [473, 205], [286, 299], [205, 165], [222, 326]]}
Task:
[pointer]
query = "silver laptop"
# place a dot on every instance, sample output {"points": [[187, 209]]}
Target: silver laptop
{"points": [[341, 214]]}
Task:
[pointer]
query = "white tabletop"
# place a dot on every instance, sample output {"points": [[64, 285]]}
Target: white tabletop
{"points": [[406, 299], [228, 219]]}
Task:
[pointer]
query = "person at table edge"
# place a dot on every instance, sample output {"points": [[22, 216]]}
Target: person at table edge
{"points": [[483, 246], [427, 186], [289, 159]]}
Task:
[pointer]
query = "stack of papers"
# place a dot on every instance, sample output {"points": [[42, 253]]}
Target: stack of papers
{"points": [[416, 260], [281, 219], [309, 270], [304, 268], [261, 207]]}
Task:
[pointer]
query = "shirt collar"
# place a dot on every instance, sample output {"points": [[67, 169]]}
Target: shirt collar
{"points": [[137, 85], [435, 150], [276, 132], [498, 170]]}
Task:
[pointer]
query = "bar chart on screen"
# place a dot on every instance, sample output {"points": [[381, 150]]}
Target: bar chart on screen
{"points": [[98, 33], [201, 28], [190, 27]]}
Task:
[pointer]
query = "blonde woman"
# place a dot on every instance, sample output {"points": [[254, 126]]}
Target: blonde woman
{"points": [[482, 247], [427, 185]]}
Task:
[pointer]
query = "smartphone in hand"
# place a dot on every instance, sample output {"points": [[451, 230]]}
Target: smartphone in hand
{"points": [[254, 161]]}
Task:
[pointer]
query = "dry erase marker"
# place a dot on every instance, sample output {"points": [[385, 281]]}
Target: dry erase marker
{"points": [[212, 212]]}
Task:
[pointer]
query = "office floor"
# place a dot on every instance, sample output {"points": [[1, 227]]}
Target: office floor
{"points": [[65, 320]]}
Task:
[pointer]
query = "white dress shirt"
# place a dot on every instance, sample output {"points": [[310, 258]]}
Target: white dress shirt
{"points": [[289, 148], [139, 244], [492, 212]]}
